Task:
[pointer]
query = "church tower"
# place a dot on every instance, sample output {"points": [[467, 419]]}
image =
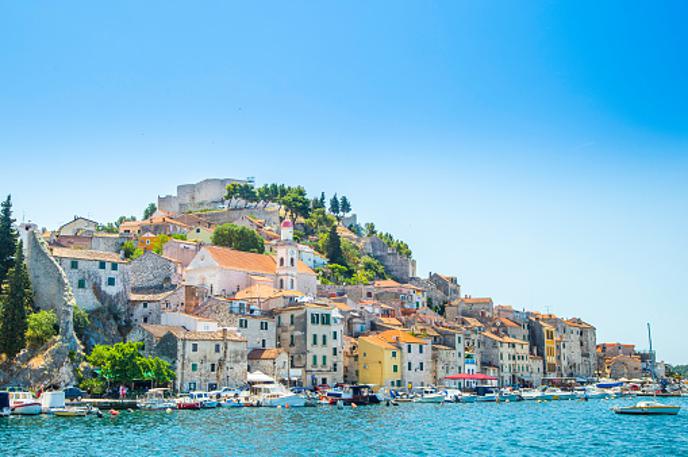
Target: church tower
{"points": [[287, 258]]}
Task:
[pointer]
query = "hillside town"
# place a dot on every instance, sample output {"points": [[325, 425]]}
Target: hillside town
{"points": [[225, 279]]}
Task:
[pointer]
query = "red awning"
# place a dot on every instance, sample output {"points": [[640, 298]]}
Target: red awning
{"points": [[471, 377]]}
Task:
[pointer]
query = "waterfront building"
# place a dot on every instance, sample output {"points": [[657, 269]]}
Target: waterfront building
{"points": [[312, 334], [350, 360], [379, 362], [543, 344], [273, 362], [508, 355]]}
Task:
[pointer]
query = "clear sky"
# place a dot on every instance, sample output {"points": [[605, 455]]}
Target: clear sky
{"points": [[536, 150]]}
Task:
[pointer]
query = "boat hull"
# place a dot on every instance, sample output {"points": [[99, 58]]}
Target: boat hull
{"points": [[649, 410], [294, 401], [27, 409], [430, 399]]}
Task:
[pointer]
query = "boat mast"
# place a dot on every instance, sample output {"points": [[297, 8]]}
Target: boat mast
{"points": [[652, 354]]}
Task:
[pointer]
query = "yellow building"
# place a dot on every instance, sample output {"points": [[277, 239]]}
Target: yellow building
{"points": [[550, 349], [379, 362], [147, 241]]}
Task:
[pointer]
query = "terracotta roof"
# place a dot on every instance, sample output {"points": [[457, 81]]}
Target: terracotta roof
{"points": [[393, 321], [343, 307], [303, 306], [376, 341], [577, 323], [264, 292], [492, 336], [265, 354], [476, 300], [86, 254], [158, 331], [249, 261], [442, 347], [507, 322], [472, 322], [508, 339], [386, 283], [392, 336], [158, 220]]}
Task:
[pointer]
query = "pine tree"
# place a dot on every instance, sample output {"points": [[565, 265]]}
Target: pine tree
{"points": [[344, 205], [334, 205], [322, 200], [333, 247], [8, 239], [13, 322]]}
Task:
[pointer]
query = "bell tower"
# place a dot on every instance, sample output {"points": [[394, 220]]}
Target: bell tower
{"points": [[287, 258]]}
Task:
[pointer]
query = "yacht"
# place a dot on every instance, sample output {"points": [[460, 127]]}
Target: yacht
{"points": [[648, 408], [24, 404], [156, 399]]}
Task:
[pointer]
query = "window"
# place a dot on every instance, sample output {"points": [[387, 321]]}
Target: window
{"points": [[315, 360], [101, 265], [408, 348], [145, 305], [217, 348], [315, 339], [291, 341], [279, 321], [334, 335], [420, 348], [147, 242], [192, 386], [194, 347], [292, 261], [74, 264], [394, 354], [81, 284], [291, 319], [315, 318], [395, 368], [324, 340], [409, 366], [398, 382], [281, 261], [114, 266], [145, 319], [421, 366], [243, 323], [281, 283], [262, 343], [324, 360], [291, 284], [334, 367], [325, 319], [212, 368], [263, 325], [334, 352], [194, 367], [111, 281]]}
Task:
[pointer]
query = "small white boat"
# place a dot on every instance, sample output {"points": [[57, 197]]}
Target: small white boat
{"points": [[531, 394], [592, 393], [157, 400], [648, 408], [430, 398], [275, 395], [554, 393], [204, 399], [70, 411], [24, 404]]}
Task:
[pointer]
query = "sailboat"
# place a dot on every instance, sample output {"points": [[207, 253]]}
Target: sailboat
{"points": [[649, 408]]}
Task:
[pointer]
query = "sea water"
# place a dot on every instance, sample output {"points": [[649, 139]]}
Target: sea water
{"points": [[518, 428]]}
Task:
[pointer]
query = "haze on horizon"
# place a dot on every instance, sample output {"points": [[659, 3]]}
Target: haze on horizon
{"points": [[537, 151]]}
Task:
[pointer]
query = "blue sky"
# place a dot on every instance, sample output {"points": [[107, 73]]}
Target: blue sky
{"points": [[537, 150]]}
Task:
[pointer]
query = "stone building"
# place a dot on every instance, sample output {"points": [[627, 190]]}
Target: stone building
{"points": [[181, 251], [273, 362], [78, 226], [448, 285], [147, 308], [622, 366], [543, 344], [98, 279], [350, 357], [207, 194], [313, 335], [508, 355], [202, 360], [416, 357], [510, 328], [153, 272], [444, 363]]}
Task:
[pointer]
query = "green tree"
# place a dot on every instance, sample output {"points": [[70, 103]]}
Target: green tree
{"points": [[239, 238], [333, 247], [296, 202], [323, 201], [128, 247], [150, 209], [8, 239], [81, 322], [159, 243], [156, 370], [13, 309], [118, 363], [344, 205], [244, 192], [334, 206], [319, 221], [41, 327], [370, 229]]}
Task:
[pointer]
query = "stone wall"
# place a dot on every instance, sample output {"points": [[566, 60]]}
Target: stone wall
{"points": [[152, 272], [398, 266], [269, 215], [206, 194]]}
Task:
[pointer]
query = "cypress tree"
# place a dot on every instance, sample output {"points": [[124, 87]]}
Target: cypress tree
{"points": [[8, 239], [344, 205], [322, 200], [13, 323], [333, 247], [334, 205]]}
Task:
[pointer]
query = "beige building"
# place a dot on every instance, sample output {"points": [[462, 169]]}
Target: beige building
{"points": [[312, 334], [146, 308], [273, 362]]}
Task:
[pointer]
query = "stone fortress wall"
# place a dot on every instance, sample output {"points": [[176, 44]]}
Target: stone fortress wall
{"points": [[207, 194]]}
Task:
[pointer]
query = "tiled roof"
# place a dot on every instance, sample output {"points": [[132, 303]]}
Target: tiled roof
{"points": [[249, 261], [158, 331], [265, 354], [385, 283], [508, 339], [86, 254], [472, 322], [376, 341], [492, 336], [151, 296], [264, 292], [441, 347], [392, 336], [507, 322], [393, 321], [472, 300], [342, 306]]}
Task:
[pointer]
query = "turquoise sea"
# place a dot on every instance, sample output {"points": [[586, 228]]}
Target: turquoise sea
{"points": [[514, 429]]}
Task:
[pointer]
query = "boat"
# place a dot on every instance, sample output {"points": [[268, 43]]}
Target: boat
{"points": [[648, 408], [204, 399], [452, 395], [467, 398], [24, 404], [429, 395], [71, 411], [531, 394], [554, 393], [5, 409], [593, 392], [52, 400], [275, 395], [156, 400], [187, 403]]}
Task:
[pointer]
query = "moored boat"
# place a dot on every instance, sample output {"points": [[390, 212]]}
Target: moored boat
{"points": [[71, 411], [156, 400], [24, 404], [204, 399], [647, 408], [187, 403]]}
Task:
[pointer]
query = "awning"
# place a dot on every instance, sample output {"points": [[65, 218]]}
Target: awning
{"points": [[470, 377]]}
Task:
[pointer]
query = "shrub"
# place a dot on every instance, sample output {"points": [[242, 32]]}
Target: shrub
{"points": [[42, 327]]}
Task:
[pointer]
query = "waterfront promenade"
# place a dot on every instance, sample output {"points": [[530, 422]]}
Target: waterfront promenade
{"points": [[523, 428]]}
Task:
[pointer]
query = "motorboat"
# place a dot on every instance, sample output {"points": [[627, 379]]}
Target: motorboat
{"points": [[5, 409], [360, 394], [71, 411], [452, 395], [430, 396], [204, 399], [188, 403], [52, 400], [156, 400], [648, 408], [274, 395], [531, 394], [554, 393], [24, 404], [592, 393]]}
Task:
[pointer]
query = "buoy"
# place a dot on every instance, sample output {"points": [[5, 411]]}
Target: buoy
{"points": [[354, 405], [168, 410], [114, 413], [279, 406], [287, 406], [506, 401]]}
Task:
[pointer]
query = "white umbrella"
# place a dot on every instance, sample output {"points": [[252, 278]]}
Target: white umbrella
{"points": [[258, 376]]}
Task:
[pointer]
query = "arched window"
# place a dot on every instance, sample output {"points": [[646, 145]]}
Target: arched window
{"points": [[292, 261], [281, 283], [281, 261], [291, 284]]}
